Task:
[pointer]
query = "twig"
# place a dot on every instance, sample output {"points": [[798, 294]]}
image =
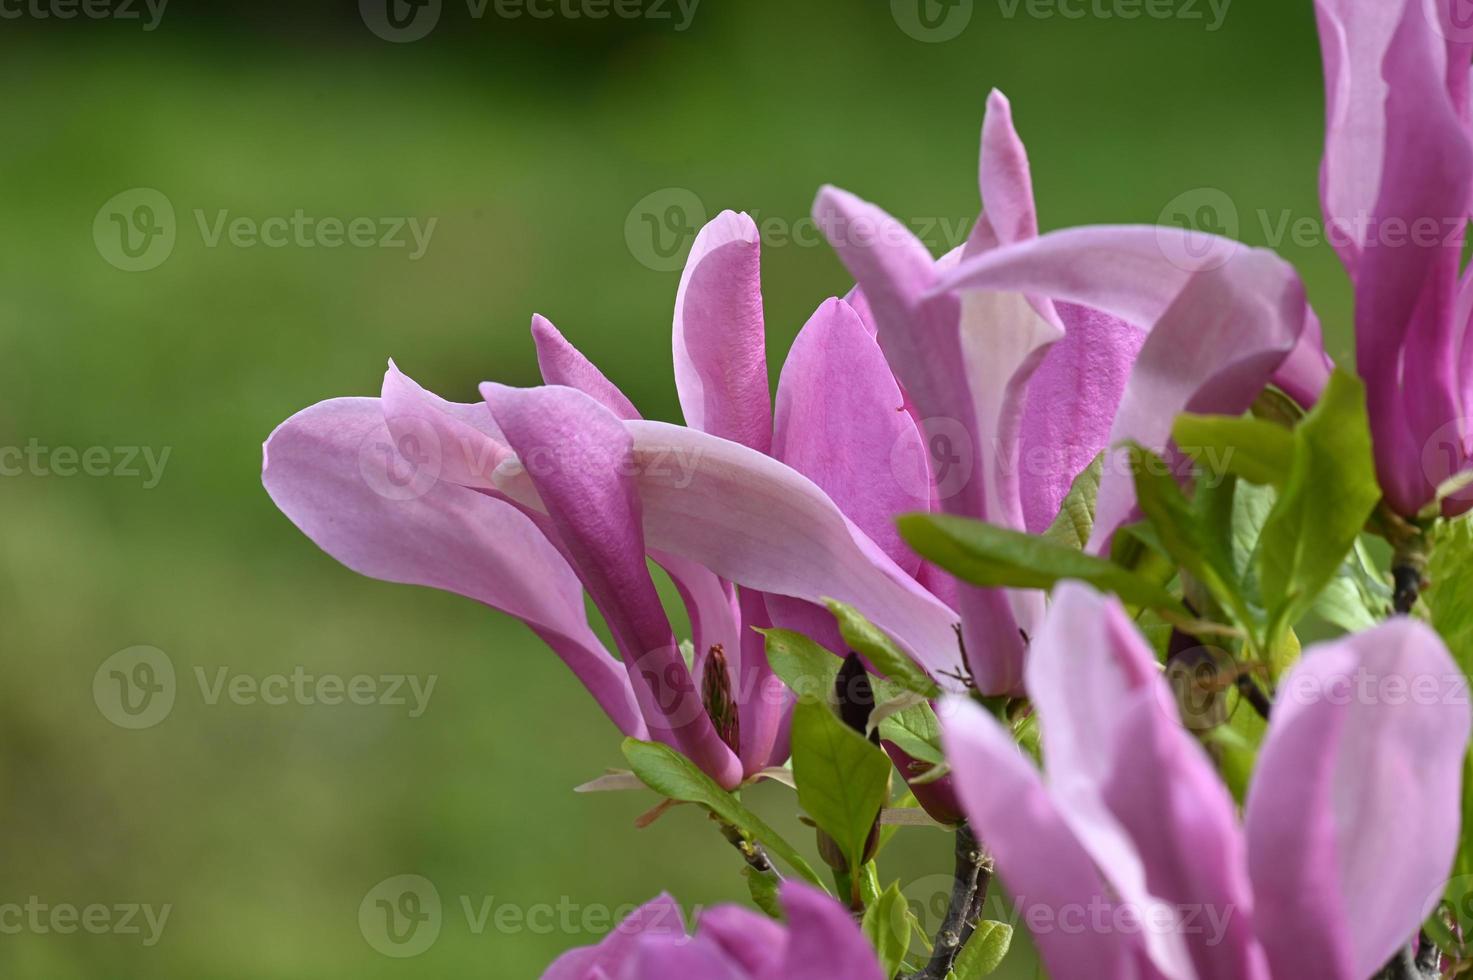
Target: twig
{"points": [[969, 888], [752, 852], [1407, 577], [1254, 695]]}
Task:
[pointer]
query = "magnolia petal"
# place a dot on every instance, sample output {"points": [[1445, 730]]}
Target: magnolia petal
{"points": [[709, 602], [1222, 319], [1071, 405], [1354, 38], [580, 458], [563, 364], [1406, 284], [823, 940], [334, 472], [720, 346], [1087, 661], [764, 700], [1354, 811], [752, 940], [841, 421], [678, 958], [934, 359], [763, 525], [1307, 369], [1005, 177], [661, 917], [1047, 871], [462, 442], [1168, 797]]}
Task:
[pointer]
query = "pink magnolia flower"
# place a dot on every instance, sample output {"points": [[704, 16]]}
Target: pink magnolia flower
{"points": [[1129, 859], [1395, 186], [819, 942], [1150, 324], [529, 499]]}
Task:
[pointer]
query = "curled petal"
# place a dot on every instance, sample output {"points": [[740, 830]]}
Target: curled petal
{"points": [[333, 469], [563, 364], [580, 458], [1222, 319], [720, 347], [763, 525], [464, 440]]}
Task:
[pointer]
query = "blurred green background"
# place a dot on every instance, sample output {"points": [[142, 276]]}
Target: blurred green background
{"points": [[532, 143]]}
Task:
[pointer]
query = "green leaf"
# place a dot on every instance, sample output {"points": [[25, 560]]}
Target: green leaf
{"points": [[1251, 506], [1451, 600], [987, 555], [1076, 520], [764, 887], [916, 732], [843, 780], [984, 952], [872, 643], [675, 777], [1258, 451], [1330, 492], [1343, 604], [1194, 536], [887, 927], [808, 669], [1450, 596]]}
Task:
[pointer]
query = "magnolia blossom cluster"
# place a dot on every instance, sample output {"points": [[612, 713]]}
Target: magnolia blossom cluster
{"points": [[1026, 356]]}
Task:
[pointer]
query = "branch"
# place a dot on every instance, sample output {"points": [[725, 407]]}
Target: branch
{"points": [[751, 851], [969, 887]]}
